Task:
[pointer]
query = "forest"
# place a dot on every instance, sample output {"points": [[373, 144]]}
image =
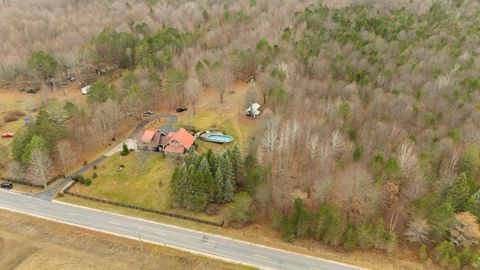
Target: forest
{"points": [[370, 139]]}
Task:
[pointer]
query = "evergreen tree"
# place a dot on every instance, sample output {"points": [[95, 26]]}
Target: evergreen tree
{"points": [[442, 220], [350, 240], [219, 190], [422, 253], [288, 230], [228, 190], [227, 170], [208, 179], [300, 218], [459, 194], [473, 205], [236, 159], [212, 161], [334, 228]]}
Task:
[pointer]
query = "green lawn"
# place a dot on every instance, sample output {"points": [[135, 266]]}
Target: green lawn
{"points": [[144, 181], [233, 124]]}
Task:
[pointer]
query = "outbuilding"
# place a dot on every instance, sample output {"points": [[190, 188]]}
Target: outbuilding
{"points": [[253, 110]]}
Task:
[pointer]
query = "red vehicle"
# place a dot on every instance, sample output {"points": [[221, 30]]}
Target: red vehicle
{"points": [[8, 135]]}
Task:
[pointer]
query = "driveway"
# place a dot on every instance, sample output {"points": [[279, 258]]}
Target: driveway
{"points": [[131, 142]]}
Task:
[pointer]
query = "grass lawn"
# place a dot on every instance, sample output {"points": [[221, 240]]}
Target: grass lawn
{"points": [[232, 123], [144, 181]]}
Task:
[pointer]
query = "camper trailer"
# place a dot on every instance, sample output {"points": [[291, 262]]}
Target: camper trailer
{"points": [[253, 110], [86, 90]]}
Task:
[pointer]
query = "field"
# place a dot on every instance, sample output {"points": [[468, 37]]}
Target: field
{"points": [[144, 181], [31, 243]]}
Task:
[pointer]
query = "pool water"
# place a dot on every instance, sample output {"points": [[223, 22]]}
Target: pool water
{"points": [[220, 138]]}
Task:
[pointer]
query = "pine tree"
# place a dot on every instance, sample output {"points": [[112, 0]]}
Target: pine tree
{"points": [[422, 253], [227, 170], [300, 218], [190, 189], [474, 204], [236, 159], [442, 220], [208, 179], [212, 161], [219, 192], [350, 241], [459, 194], [228, 190]]}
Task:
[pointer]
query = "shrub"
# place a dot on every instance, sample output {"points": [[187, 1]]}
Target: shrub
{"points": [[13, 116], [422, 253], [125, 150], [95, 175], [241, 209]]}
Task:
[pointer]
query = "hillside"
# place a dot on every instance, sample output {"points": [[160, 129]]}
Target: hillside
{"points": [[368, 137]]}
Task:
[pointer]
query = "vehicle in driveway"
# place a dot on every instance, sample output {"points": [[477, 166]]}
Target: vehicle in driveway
{"points": [[181, 109], [31, 89], [148, 113], [8, 135], [6, 185]]}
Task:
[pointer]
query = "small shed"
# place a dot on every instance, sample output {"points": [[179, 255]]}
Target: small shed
{"points": [[253, 110]]}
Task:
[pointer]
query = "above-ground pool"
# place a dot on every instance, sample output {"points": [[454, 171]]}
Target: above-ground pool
{"points": [[219, 138]]}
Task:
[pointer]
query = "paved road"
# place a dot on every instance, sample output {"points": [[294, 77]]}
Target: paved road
{"points": [[180, 238]]}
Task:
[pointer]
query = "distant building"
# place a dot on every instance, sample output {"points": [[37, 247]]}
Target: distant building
{"points": [[253, 110]]}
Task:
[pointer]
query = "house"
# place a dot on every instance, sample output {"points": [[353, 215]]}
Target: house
{"points": [[176, 142], [253, 110], [149, 140]]}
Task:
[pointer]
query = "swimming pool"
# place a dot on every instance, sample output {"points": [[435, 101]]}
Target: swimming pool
{"points": [[219, 138]]}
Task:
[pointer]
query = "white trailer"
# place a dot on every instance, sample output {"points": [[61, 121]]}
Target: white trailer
{"points": [[86, 90]]}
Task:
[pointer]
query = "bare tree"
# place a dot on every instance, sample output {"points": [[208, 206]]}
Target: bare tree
{"points": [[40, 166], [355, 192], [65, 154], [418, 231], [193, 89], [220, 78]]}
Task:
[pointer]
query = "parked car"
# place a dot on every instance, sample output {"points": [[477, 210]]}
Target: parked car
{"points": [[8, 135], [148, 113], [181, 109], [6, 186], [31, 90]]}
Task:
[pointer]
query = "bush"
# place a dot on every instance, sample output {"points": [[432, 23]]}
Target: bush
{"points": [[94, 167], [95, 175], [241, 209], [422, 253], [125, 150], [13, 116]]}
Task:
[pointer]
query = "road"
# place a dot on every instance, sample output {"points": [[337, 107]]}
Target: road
{"points": [[188, 240]]}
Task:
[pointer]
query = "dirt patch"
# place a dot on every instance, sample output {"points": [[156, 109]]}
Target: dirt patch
{"points": [[30, 243]]}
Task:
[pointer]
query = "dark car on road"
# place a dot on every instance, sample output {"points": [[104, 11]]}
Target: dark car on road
{"points": [[6, 186], [181, 109]]}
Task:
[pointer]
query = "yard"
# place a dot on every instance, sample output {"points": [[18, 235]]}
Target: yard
{"points": [[228, 117], [143, 181]]}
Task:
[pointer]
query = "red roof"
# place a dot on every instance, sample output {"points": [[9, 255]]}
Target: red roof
{"points": [[174, 149], [181, 137], [148, 135]]}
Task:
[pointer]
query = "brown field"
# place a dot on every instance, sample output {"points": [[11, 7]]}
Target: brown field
{"points": [[31, 243]]}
